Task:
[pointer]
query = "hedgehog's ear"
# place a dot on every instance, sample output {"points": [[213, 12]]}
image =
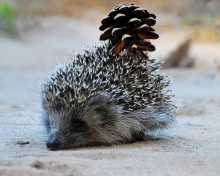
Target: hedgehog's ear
{"points": [[107, 117], [98, 101], [102, 110]]}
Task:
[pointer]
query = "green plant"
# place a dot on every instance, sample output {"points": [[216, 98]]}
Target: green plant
{"points": [[199, 18], [7, 18]]}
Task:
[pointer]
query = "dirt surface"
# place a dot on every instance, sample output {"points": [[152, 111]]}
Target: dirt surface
{"points": [[191, 147]]}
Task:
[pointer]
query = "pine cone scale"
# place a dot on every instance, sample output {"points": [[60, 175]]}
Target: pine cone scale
{"points": [[126, 37], [149, 48], [142, 29], [144, 56], [151, 29], [148, 21], [112, 13], [118, 47], [134, 22], [103, 27], [125, 9], [148, 35], [107, 20], [138, 13], [121, 18], [143, 42], [118, 31], [152, 15], [108, 32]]}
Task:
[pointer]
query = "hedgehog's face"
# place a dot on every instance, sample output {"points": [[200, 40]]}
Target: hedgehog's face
{"points": [[95, 123], [65, 131]]}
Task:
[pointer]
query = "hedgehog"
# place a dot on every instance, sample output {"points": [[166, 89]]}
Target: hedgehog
{"points": [[110, 93]]}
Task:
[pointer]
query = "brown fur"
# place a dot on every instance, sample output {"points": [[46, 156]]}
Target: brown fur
{"points": [[99, 122]]}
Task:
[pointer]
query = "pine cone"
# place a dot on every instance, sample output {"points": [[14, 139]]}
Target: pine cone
{"points": [[128, 28]]}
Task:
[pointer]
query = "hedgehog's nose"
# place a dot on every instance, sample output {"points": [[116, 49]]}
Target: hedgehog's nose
{"points": [[52, 143]]}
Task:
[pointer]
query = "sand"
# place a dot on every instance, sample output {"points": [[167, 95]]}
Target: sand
{"points": [[190, 147]]}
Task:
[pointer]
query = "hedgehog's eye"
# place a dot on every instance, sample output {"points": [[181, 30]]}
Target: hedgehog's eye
{"points": [[78, 125]]}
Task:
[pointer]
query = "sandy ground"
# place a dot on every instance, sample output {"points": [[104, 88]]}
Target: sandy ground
{"points": [[191, 147]]}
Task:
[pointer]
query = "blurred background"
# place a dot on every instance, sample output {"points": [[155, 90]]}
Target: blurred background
{"points": [[35, 34]]}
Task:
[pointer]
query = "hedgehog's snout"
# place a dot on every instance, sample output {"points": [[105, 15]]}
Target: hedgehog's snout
{"points": [[52, 142]]}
